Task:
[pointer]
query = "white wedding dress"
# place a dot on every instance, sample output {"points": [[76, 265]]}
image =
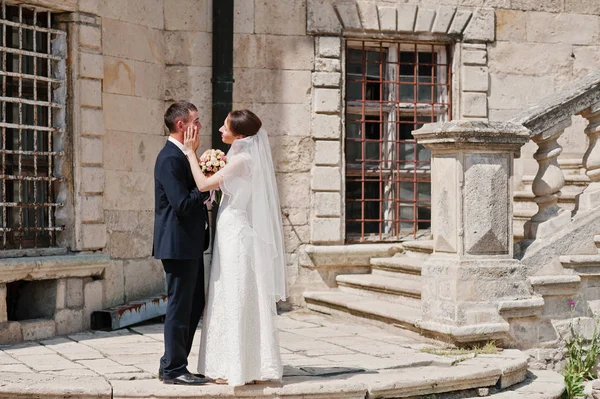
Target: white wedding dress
{"points": [[239, 338]]}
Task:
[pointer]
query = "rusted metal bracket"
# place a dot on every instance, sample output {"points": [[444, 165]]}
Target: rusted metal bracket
{"points": [[129, 313]]}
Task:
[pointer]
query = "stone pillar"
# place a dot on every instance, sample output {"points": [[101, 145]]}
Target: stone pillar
{"points": [[472, 266], [326, 183], [590, 197]]}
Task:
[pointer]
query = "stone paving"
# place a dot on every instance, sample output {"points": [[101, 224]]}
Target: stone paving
{"points": [[315, 349]]}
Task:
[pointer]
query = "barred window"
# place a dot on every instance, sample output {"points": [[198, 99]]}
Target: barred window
{"points": [[391, 89], [28, 151]]}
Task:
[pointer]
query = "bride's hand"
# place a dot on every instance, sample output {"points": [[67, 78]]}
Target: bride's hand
{"points": [[191, 140]]}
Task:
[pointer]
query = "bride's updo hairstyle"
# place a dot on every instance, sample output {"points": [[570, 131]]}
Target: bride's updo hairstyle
{"points": [[244, 123]]}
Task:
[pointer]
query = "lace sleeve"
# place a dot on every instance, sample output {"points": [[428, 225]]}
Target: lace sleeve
{"points": [[235, 175]]}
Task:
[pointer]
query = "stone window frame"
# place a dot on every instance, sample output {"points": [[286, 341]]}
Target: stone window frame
{"points": [[81, 167], [331, 22]]}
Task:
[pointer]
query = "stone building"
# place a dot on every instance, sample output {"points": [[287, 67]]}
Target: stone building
{"points": [[341, 85]]}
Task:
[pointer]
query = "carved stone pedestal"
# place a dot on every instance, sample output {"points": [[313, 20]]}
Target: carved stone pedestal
{"points": [[472, 267]]}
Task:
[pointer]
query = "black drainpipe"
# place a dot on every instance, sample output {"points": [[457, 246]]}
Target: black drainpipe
{"points": [[222, 64]]}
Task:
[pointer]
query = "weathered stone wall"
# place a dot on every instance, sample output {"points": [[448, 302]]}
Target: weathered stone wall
{"points": [[540, 48], [127, 60], [154, 52], [273, 59], [508, 56], [131, 58], [133, 53]]}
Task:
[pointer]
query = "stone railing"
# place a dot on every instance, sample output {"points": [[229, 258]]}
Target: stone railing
{"points": [[547, 121], [475, 283]]}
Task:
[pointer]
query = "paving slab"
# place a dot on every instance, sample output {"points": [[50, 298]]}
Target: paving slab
{"points": [[107, 366], [72, 350], [15, 368], [5, 358], [38, 385], [27, 349], [48, 362], [324, 357]]}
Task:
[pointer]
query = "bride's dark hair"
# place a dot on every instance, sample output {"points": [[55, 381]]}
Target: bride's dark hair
{"points": [[244, 122]]}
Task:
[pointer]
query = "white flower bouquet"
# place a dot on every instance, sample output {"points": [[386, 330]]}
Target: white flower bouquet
{"points": [[212, 161]]}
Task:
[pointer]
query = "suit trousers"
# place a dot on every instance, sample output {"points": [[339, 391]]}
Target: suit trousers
{"points": [[185, 291]]}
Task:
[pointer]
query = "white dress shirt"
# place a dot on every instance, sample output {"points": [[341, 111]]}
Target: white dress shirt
{"points": [[177, 143]]}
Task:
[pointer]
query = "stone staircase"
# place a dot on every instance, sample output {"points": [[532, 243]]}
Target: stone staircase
{"points": [[390, 295]]}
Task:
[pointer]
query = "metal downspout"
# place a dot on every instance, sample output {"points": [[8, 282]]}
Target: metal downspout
{"points": [[222, 67]]}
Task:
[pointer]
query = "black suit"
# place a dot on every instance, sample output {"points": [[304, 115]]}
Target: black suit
{"points": [[180, 238]]}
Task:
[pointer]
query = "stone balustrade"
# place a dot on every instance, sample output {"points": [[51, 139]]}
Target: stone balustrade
{"points": [[547, 122], [474, 287], [590, 197]]}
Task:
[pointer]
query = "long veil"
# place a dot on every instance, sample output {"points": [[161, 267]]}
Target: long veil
{"points": [[250, 158]]}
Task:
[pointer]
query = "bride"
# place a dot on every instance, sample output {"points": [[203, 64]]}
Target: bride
{"points": [[239, 340]]}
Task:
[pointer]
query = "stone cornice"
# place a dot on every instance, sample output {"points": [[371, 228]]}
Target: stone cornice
{"points": [[472, 133], [337, 16], [560, 107], [52, 267], [52, 5]]}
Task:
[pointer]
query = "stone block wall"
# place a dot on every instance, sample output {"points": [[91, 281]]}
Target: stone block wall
{"points": [[133, 63], [126, 62], [188, 58], [273, 63], [129, 59], [57, 296], [540, 48]]}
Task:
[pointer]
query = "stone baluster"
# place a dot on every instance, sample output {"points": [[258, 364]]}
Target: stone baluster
{"points": [[548, 184], [590, 197]]}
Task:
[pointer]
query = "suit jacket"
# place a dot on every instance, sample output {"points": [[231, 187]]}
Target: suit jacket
{"points": [[180, 216]]}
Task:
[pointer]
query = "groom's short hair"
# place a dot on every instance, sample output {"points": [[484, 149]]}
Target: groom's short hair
{"points": [[178, 111]]}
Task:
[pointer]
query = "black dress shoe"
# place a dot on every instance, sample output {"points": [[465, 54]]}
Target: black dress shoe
{"points": [[185, 379], [160, 375]]}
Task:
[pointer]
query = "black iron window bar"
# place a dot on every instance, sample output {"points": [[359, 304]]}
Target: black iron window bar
{"points": [[27, 153]]}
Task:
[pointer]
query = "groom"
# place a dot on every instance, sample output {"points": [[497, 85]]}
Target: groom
{"points": [[180, 238]]}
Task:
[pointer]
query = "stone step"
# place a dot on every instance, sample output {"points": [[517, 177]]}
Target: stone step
{"points": [[571, 166], [538, 384], [467, 379], [527, 196], [398, 264], [573, 182], [521, 307], [594, 306], [523, 213], [583, 265], [418, 248], [519, 229], [440, 382], [391, 289], [555, 285], [375, 311]]}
